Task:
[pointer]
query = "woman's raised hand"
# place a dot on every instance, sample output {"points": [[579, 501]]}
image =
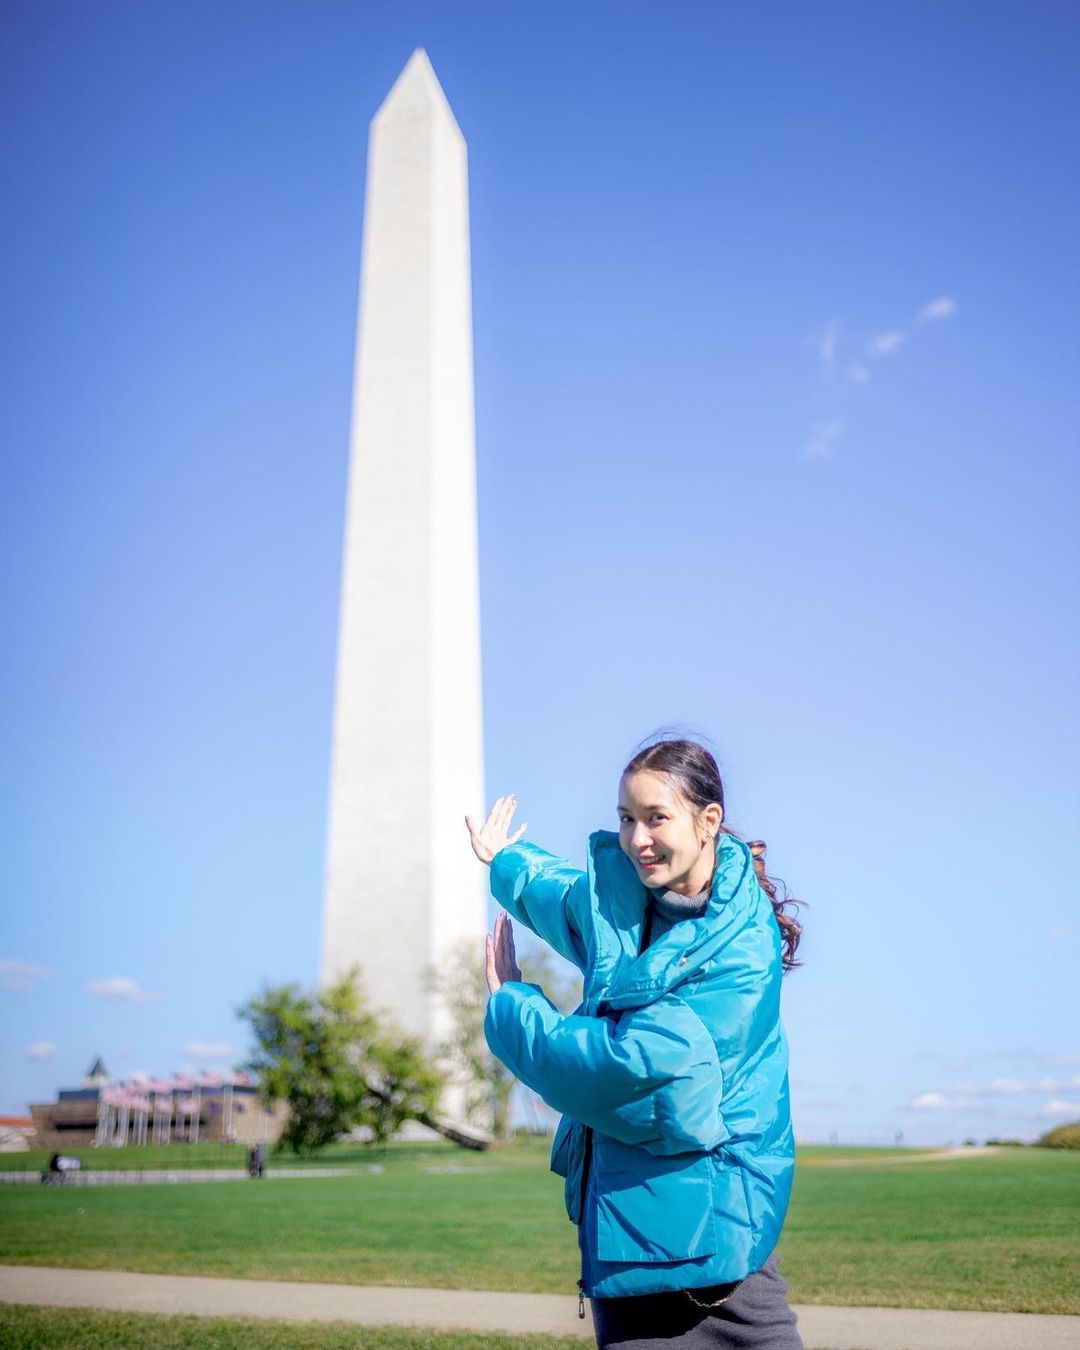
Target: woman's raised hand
{"points": [[501, 958], [495, 834]]}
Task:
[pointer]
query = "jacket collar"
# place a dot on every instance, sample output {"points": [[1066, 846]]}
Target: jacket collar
{"points": [[621, 977]]}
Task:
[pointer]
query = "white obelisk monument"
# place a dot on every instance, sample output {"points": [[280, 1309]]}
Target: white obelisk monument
{"points": [[402, 883]]}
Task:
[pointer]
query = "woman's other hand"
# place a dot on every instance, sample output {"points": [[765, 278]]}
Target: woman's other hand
{"points": [[495, 834], [501, 958]]}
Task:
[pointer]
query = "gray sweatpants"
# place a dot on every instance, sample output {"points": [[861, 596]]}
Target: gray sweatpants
{"points": [[755, 1317]]}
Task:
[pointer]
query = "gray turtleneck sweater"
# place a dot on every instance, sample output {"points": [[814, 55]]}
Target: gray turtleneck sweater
{"points": [[667, 908]]}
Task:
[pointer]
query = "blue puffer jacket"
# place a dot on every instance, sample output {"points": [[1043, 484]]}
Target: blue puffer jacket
{"points": [[675, 1064]]}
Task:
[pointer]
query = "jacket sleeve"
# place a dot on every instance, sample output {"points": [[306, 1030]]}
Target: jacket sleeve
{"points": [[547, 895], [649, 1077]]}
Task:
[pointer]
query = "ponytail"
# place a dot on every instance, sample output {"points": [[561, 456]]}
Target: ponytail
{"points": [[774, 888]]}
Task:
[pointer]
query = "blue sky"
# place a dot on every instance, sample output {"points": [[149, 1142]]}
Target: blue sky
{"points": [[775, 326]]}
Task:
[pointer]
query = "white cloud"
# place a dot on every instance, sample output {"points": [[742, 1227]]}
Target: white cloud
{"points": [[1061, 931], [119, 989], [980, 1096], [1009, 1086], [824, 437], [1059, 1109], [1061, 1061], [20, 975], [837, 365], [944, 307], [885, 344], [40, 1050], [959, 1100], [203, 1050], [193, 1070]]}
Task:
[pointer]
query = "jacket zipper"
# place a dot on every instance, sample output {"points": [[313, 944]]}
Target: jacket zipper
{"points": [[586, 1164]]}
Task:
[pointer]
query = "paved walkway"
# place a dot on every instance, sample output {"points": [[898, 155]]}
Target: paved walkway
{"points": [[465, 1310], [941, 1155], [154, 1176]]}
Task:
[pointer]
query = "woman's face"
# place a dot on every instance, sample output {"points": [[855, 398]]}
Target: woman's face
{"points": [[663, 835]]}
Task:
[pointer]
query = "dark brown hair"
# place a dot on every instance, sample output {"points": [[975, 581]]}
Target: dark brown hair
{"points": [[697, 778]]}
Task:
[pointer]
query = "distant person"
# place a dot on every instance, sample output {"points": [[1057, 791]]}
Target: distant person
{"points": [[676, 1140], [59, 1168], [256, 1160]]}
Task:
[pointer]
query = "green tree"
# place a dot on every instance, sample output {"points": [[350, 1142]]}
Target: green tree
{"points": [[1061, 1136], [484, 1082], [336, 1064], [558, 978]]}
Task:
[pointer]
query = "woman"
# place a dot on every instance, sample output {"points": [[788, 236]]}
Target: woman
{"points": [[676, 1140]]}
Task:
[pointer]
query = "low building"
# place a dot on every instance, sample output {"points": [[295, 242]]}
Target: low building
{"points": [[16, 1134], [146, 1110]]}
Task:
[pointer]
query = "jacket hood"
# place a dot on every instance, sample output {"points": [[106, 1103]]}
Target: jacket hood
{"points": [[631, 980]]}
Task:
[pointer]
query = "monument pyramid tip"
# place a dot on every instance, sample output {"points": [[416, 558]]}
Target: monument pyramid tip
{"points": [[416, 88]]}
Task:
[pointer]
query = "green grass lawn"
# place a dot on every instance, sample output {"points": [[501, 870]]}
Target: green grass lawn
{"points": [[1000, 1232], [38, 1328], [997, 1232]]}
